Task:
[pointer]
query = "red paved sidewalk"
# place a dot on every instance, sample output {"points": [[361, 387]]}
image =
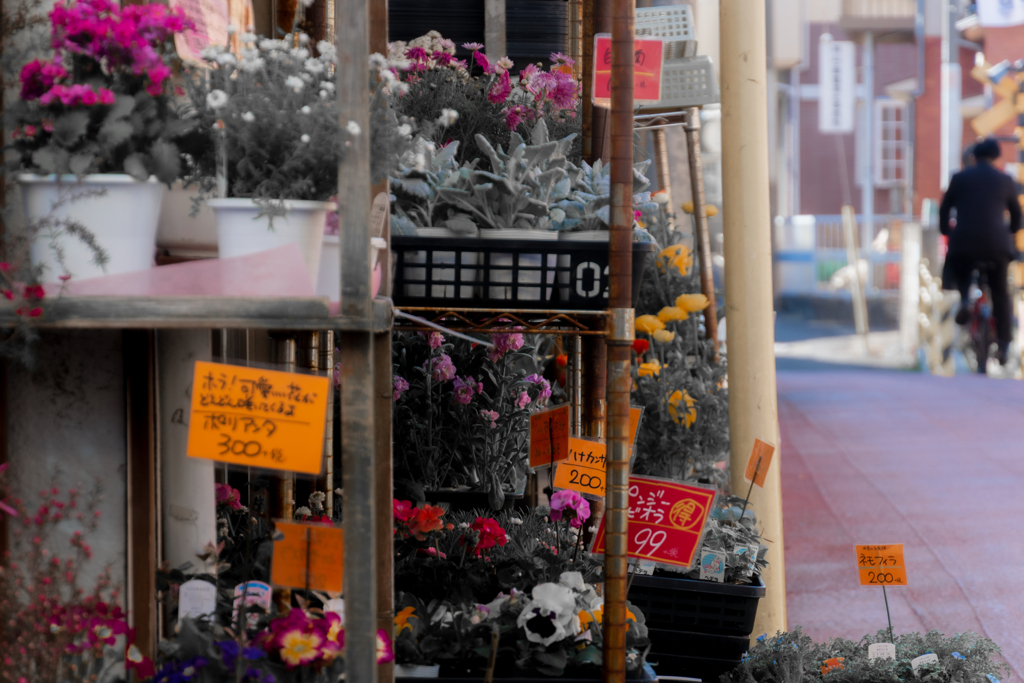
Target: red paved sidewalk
{"points": [[894, 457]]}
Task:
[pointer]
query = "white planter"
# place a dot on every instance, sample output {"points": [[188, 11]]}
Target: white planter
{"points": [[501, 266], [584, 281], [417, 671], [123, 219], [178, 231], [328, 282], [240, 232], [440, 276]]}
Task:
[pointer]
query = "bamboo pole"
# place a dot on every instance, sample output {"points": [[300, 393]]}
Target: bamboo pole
{"points": [[753, 411], [619, 338], [356, 350], [700, 227]]}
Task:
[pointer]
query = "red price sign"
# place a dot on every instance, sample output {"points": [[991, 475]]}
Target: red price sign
{"points": [[666, 521], [647, 63]]}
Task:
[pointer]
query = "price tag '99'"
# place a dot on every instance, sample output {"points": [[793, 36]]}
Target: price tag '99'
{"points": [[881, 565]]}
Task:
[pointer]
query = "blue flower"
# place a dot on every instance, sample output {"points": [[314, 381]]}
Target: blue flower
{"points": [[228, 653], [957, 655], [991, 678], [761, 637], [253, 653]]}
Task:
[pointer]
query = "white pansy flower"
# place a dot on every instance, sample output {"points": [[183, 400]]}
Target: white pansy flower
{"points": [[314, 66], [551, 615], [447, 117], [353, 128], [406, 129], [217, 99], [248, 117], [295, 83], [306, 109], [304, 138]]}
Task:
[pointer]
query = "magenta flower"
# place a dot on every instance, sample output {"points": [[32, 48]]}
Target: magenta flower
{"points": [[571, 504], [416, 54], [435, 339], [523, 400], [482, 60], [563, 95], [442, 58], [501, 89], [441, 367], [505, 342], [545, 387], [464, 387], [226, 495], [512, 118], [526, 74], [37, 77], [400, 386], [559, 58], [490, 415]]}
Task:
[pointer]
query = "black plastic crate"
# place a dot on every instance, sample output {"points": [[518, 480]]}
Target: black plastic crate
{"points": [[458, 272], [690, 644], [707, 669], [700, 606]]}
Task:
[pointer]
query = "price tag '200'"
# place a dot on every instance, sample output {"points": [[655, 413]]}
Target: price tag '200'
{"points": [[881, 565], [258, 418]]}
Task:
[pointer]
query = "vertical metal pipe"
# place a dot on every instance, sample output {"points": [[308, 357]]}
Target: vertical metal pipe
{"points": [[587, 44], [619, 338], [753, 411], [577, 395], [327, 363], [664, 175], [700, 216], [356, 349], [868, 196]]}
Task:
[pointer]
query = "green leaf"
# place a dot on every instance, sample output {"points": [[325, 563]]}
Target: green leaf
{"points": [[135, 166], [70, 127], [122, 107], [114, 132], [81, 163], [416, 187], [51, 159], [166, 161]]}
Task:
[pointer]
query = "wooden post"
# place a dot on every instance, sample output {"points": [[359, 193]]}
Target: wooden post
{"points": [[620, 339], [494, 29], [753, 410], [700, 220]]}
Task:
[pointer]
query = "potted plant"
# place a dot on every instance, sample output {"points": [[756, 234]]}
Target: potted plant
{"points": [[96, 130], [277, 142]]}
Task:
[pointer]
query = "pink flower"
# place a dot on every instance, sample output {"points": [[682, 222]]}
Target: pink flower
{"points": [[479, 387], [442, 58], [5, 267], [512, 118], [464, 389], [541, 83], [441, 367], [487, 534], [435, 339], [545, 387], [571, 504], [501, 89], [226, 495], [48, 125], [559, 58], [482, 60], [473, 46], [107, 96], [30, 130], [490, 415], [523, 400], [637, 215], [400, 386], [563, 95], [417, 54], [526, 74], [403, 510], [37, 77], [505, 342]]}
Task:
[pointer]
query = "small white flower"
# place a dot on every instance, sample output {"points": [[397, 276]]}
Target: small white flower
{"points": [[400, 64], [405, 129], [325, 47], [353, 128], [232, 29], [463, 525], [295, 83], [225, 58], [400, 88], [248, 117], [306, 109], [660, 197], [270, 45], [210, 52], [300, 53], [306, 78], [247, 37], [516, 521], [304, 37], [251, 65], [303, 511], [314, 66], [217, 99], [447, 117], [324, 95], [378, 61], [591, 529], [389, 76], [327, 85], [304, 138]]}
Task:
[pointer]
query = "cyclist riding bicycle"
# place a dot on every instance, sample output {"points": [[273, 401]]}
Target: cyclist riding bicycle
{"points": [[981, 194]]}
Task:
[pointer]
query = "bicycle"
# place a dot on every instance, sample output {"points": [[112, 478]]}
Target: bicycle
{"points": [[981, 325]]}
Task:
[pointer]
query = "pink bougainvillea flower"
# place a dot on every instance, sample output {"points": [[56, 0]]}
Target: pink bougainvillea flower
{"points": [[401, 385]]}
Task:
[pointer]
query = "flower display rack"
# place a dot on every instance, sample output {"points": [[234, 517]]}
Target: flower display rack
{"points": [[491, 274], [702, 606]]}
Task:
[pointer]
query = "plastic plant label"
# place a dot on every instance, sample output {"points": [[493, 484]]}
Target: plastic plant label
{"points": [[549, 436], [644, 568], [759, 462], [256, 594], [258, 418], [712, 566], [923, 660], [881, 651], [197, 599], [309, 556], [881, 565], [584, 469]]}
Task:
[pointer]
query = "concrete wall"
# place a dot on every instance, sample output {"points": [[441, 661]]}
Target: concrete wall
{"points": [[66, 422]]}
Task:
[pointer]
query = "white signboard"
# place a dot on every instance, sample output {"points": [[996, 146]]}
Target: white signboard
{"points": [[836, 86], [1000, 12]]}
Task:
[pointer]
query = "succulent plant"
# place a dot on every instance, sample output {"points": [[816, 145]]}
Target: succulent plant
{"points": [[588, 206]]}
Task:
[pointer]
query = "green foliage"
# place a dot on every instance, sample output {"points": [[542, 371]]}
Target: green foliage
{"points": [[416, 185], [588, 205], [794, 658]]}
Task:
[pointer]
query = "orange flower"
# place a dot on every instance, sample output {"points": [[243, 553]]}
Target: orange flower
{"points": [[426, 520], [833, 664]]}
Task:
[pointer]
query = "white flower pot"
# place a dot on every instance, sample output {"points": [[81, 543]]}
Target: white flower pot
{"points": [[178, 231], [328, 281], [417, 671], [584, 280], [501, 266], [440, 276], [241, 230], [121, 212]]}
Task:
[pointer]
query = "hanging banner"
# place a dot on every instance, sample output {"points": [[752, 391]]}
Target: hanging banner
{"points": [[647, 70], [258, 418], [837, 84], [999, 13], [666, 521]]}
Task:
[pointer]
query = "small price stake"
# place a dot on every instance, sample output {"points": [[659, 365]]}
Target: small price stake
{"points": [[549, 436], [308, 556], [882, 565], [584, 470], [757, 468]]}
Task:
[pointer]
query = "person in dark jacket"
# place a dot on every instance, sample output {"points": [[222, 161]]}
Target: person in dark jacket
{"points": [[981, 194]]}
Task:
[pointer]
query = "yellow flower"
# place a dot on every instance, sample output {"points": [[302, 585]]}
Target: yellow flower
{"points": [[664, 336], [403, 617], [689, 416], [692, 302], [299, 648], [597, 615], [648, 324], [677, 256], [649, 369], [710, 210], [671, 313], [687, 207]]}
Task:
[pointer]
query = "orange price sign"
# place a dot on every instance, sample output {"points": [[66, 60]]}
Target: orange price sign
{"points": [[647, 68], [549, 436], [881, 565], [583, 469], [759, 462], [310, 556], [258, 418]]}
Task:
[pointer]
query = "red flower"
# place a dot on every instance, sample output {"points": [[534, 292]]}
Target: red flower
{"points": [[403, 510], [226, 495], [426, 520], [641, 345], [489, 534], [561, 360]]}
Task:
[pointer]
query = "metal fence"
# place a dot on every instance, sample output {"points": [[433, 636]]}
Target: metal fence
{"points": [[809, 250]]}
